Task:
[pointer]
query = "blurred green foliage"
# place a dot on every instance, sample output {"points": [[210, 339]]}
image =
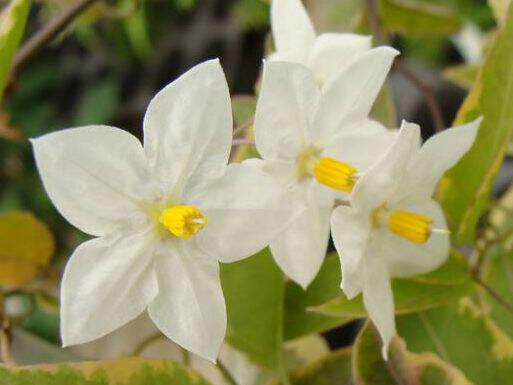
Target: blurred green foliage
{"points": [[106, 67]]}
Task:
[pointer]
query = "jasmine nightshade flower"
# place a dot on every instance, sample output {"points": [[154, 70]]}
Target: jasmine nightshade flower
{"points": [[315, 142], [163, 215], [394, 228], [296, 41]]}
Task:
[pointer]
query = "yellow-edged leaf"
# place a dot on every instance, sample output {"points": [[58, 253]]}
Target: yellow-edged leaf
{"points": [[26, 245]]}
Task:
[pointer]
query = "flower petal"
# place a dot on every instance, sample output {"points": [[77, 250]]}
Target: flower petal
{"points": [[190, 307], [188, 128], [380, 182], [333, 52], [363, 146], [246, 209], [107, 282], [404, 258], [285, 104], [301, 248], [350, 230], [379, 301], [349, 96], [94, 175], [437, 155], [292, 29]]}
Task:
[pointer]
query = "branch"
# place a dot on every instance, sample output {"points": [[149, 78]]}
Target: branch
{"points": [[399, 65], [496, 296], [48, 33]]}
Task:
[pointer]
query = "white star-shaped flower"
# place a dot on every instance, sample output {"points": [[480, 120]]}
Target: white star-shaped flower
{"points": [[296, 41], [394, 228], [163, 215], [311, 137]]}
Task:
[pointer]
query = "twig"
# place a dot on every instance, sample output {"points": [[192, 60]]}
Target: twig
{"points": [[425, 88], [226, 374], [5, 335], [496, 296], [48, 33]]}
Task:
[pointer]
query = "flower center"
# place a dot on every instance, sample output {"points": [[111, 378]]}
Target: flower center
{"points": [[327, 171], [335, 174], [182, 221], [411, 226]]}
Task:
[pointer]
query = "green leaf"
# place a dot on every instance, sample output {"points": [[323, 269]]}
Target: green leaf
{"points": [[254, 290], [98, 102], [464, 335], [463, 75], [464, 190], [335, 15], [418, 18], [450, 282], [12, 26], [333, 369], [402, 367], [250, 14], [124, 371], [384, 110], [326, 286], [26, 245]]}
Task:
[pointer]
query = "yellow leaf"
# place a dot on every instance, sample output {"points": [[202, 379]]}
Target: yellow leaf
{"points": [[26, 245]]}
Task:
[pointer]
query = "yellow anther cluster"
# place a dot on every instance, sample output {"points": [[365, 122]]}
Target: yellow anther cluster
{"points": [[182, 221], [335, 174], [411, 226]]}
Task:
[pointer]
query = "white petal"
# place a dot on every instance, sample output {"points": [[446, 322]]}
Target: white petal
{"points": [[301, 248], [297, 56], [333, 52], [291, 26], [437, 155], [349, 96], [363, 146], [94, 175], [287, 98], [107, 282], [190, 307], [379, 301], [246, 209], [188, 128], [404, 258], [350, 230], [380, 182]]}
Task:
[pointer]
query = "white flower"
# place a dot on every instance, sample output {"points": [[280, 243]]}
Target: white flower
{"points": [[394, 228], [296, 41], [163, 215], [308, 135]]}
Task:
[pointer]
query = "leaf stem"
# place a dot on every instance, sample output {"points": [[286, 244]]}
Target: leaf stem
{"points": [[46, 34], [400, 66]]}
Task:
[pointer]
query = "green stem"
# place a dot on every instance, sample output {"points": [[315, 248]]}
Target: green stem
{"points": [[147, 342]]}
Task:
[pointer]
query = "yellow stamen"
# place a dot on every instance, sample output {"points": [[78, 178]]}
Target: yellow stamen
{"points": [[182, 221], [414, 227], [335, 174]]}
